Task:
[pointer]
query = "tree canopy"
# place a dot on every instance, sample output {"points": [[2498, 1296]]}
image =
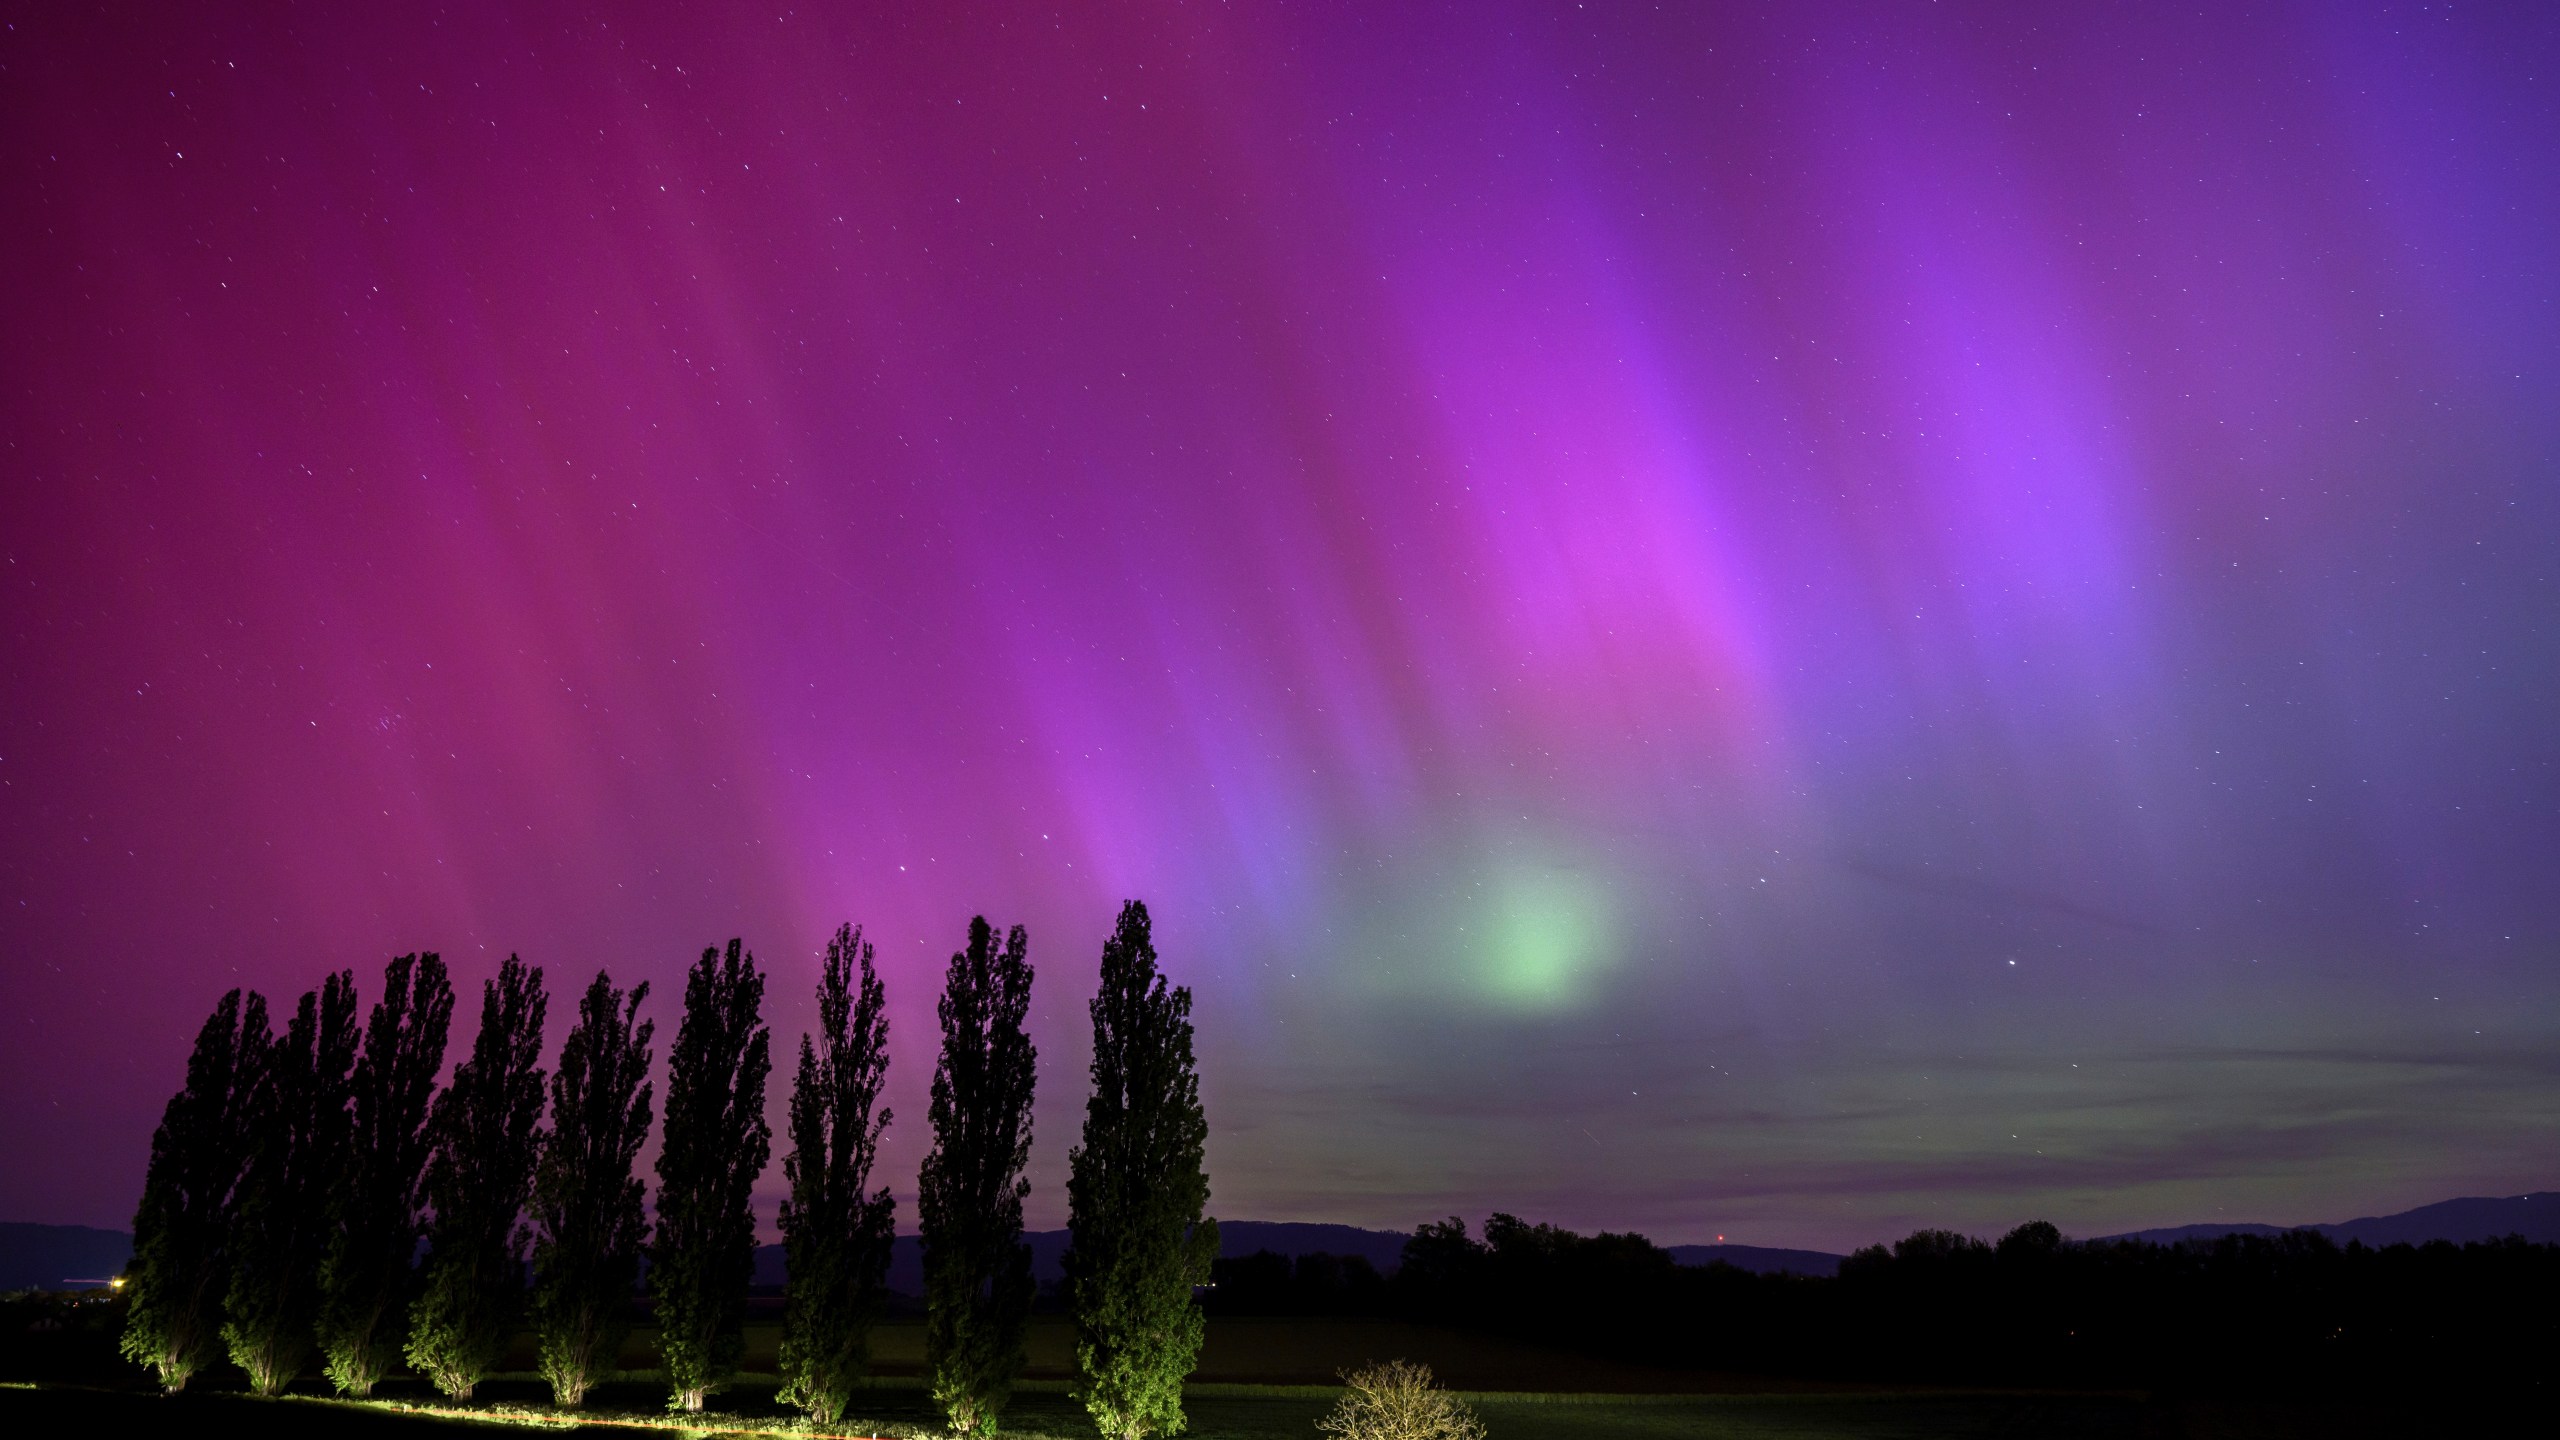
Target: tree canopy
{"points": [[1139, 1239], [365, 1277], [836, 1230], [475, 1183], [299, 1144], [715, 1145], [586, 1203], [182, 1230], [977, 1271]]}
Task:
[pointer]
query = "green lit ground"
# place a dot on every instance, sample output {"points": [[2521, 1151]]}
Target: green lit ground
{"points": [[70, 1383], [47, 1411], [32, 1411]]}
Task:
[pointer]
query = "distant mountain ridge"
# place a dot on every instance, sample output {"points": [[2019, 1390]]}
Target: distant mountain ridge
{"points": [[58, 1257], [2536, 1217], [53, 1256]]}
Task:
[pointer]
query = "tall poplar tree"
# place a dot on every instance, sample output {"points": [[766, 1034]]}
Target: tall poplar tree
{"points": [[716, 1144], [182, 1230], [1137, 1237], [587, 1223], [836, 1231], [482, 1164], [365, 1277], [977, 1271], [285, 1198]]}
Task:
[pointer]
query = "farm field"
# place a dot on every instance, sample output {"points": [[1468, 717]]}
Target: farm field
{"points": [[1253, 1351], [51, 1411], [42, 1412], [1260, 1380]]}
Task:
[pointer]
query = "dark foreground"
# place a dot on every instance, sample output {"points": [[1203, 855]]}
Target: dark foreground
{"points": [[1266, 1379], [45, 1411]]}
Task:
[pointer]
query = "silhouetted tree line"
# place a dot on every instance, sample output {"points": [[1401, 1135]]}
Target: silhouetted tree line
{"points": [[1269, 1283], [316, 1195], [2031, 1309]]}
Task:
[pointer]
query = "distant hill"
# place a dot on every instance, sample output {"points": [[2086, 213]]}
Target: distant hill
{"points": [[60, 1257], [57, 1256], [2536, 1217], [2172, 1234], [1382, 1248], [1759, 1259]]}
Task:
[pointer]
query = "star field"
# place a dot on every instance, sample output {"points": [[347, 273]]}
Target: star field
{"points": [[1783, 625]]}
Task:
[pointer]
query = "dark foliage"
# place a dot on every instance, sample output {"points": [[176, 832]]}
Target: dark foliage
{"points": [[1267, 1282], [586, 1211], [299, 1148], [1139, 1239], [63, 1338], [2242, 1313], [476, 1179], [365, 1276], [716, 1144], [182, 1231], [2239, 1311], [977, 1271], [1603, 1290], [1441, 1268], [836, 1230]]}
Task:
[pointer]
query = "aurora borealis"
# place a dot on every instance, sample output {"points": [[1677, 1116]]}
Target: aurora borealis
{"points": [[1782, 625]]}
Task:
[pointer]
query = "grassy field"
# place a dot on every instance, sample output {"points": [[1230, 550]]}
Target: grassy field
{"points": [[33, 1411], [1254, 1385], [1271, 1352], [29, 1412]]}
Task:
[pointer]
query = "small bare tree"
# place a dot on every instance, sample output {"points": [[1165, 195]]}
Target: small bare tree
{"points": [[1399, 1401]]}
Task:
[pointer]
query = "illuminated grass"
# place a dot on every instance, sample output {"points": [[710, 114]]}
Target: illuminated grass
{"points": [[545, 1418], [1043, 1412]]}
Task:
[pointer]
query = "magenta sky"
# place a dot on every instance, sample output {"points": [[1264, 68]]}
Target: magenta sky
{"points": [[1787, 627]]}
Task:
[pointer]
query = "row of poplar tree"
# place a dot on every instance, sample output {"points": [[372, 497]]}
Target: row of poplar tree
{"points": [[293, 1178]]}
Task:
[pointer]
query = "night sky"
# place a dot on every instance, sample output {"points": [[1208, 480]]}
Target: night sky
{"points": [[1783, 625]]}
